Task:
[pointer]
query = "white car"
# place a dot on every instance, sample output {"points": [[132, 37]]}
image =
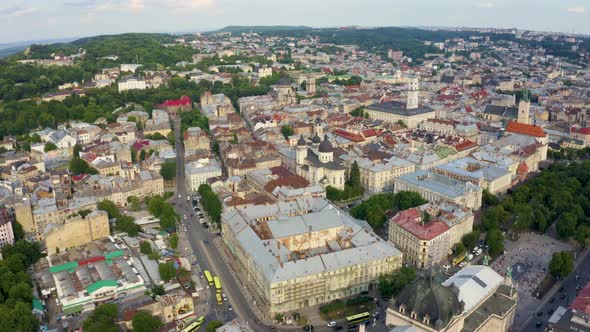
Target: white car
{"points": [[331, 324]]}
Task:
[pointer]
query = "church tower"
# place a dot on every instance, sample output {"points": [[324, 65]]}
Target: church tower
{"points": [[318, 129], [310, 85], [413, 93], [301, 152], [523, 111]]}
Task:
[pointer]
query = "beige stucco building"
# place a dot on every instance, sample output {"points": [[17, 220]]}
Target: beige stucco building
{"points": [[305, 252], [426, 234], [76, 231], [410, 113]]}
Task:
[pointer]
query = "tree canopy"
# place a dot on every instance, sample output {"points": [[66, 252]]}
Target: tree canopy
{"points": [[143, 321], [102, 319], [561, 264], [391, 284], [211, 203], [373, 210]]}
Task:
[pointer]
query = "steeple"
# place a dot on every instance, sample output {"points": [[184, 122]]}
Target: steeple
{"points": [[413, 93]]}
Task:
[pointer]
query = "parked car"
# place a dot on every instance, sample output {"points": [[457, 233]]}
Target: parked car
{"points": [[331, 324]]}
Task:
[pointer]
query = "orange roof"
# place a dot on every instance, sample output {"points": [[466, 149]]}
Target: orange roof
{"points": [[522, 168], [525, 129]]}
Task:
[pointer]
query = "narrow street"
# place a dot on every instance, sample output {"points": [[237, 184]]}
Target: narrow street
{"points": [[207, 255]]}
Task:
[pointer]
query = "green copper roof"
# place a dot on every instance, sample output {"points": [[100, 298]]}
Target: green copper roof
{"points": [[67, 266], [73, 310], [114, 254], [100, 284], [38, 305]]}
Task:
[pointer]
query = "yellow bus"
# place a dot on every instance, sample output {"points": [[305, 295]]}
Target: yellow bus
{"points": [[219, 299], [459, 259], [208, 277], [358, 318], [192, 326], [217, 284]]}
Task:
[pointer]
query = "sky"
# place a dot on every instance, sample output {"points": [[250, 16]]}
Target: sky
{"points": [[23, 20]]}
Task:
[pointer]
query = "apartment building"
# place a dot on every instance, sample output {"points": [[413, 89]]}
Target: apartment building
{"points": [[440, 188], [303, 253], [427, 234]]}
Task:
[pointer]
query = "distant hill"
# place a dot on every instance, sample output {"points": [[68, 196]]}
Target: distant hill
{"points": [[237, 29]]}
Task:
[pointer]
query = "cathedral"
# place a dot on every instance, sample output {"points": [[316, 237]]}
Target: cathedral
{"points": [[315, 161]]}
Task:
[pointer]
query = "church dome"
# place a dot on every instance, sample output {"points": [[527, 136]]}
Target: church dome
{"points": [[301, 141], [316, 139], [326, 146], [427, 297]]}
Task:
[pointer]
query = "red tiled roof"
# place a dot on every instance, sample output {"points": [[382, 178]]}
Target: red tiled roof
{"points": [[522, 168], [582, 301], [183, 101], [371, 132], [464, 145], [349, 136], [578, 130], [525, 129], [407, 219]]}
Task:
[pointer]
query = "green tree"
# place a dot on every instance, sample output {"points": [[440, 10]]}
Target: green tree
{"points": [[49, 147], [35, 138], [134, 202], [171, 137], [158, 290], [287, 131], [167, 271], [145, 248], [110, 208], [102, 319], [144, 322], [168, 170], [561, 264], [459, 248], [127, 224], [213, 325], [174, 241], [566, 225], [211, 203], [489, 199], [80, 166], [77, 149], [471, 239], [495, 242], [390, 284], [355, 175]]}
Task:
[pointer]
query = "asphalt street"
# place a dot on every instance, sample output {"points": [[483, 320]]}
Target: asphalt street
{"points": [[560, 297]]}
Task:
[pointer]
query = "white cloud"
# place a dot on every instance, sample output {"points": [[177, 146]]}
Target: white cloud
{"points": [[186, 4], [488, 4], [136, 5], [17, 10], [576, 9]]}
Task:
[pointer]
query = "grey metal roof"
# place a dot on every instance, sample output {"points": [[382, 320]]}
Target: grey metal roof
{"points": [[399, 108]]}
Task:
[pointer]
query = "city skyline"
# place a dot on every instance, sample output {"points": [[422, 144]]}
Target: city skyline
{"points": [[38, 20]]}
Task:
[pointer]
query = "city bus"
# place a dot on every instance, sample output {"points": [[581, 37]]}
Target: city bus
{"points": [[358, 318], [459, 259], [208, 277], [219, 299], [192, 326], [217, 284]]}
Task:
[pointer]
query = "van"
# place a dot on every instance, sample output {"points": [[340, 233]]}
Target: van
{"points": [[219, 300]]}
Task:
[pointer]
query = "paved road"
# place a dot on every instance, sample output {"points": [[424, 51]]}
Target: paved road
{"points": [[206, 254], [579, 277]]}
